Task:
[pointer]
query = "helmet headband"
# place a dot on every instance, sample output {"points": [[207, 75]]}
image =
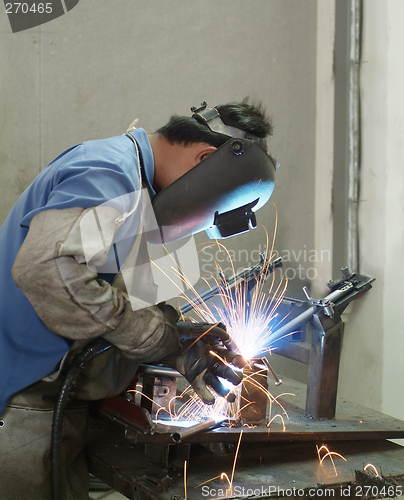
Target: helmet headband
{"points": [[211, 117]]}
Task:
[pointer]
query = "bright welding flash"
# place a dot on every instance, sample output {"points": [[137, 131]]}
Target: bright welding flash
{"points": [[231, 398], [227, 384]]}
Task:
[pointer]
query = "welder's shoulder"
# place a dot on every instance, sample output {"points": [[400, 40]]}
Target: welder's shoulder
{"points": [[103, 167], [115, 151]]}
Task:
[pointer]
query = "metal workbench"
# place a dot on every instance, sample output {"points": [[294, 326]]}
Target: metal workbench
{"points": [[272, 463]]}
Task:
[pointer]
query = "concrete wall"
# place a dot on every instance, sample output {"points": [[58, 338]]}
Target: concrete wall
{"points": [[89, 73], [374, 340]]}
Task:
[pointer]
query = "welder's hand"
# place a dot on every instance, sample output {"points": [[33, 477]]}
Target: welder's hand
{"points": [[170, 312], [202, 368]]}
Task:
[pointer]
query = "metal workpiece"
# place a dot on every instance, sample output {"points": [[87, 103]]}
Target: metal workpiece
{"points": [[297, 351], [264, 364], [322, 383], [159, 371], [325, 304], [298, 417], [187, 432], [302, 319], [351, 422], [122, 412], [342, 292], [254, 393], [322, 354]]}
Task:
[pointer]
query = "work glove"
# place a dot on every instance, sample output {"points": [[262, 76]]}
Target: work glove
{"points": [[170, 312], [202, 368]]}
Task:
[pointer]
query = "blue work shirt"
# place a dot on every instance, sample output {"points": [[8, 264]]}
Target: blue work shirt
{"points": [[86, 176]]}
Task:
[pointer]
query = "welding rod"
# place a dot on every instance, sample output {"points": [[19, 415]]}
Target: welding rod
{"points": [[278, 381], [207, 424]]}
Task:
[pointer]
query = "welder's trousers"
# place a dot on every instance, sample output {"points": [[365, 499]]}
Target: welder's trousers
{"points": [[25, 439]]}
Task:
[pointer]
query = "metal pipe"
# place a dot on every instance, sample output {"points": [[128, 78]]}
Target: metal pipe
{"points": [[354, 135], [187, 432], [308, 313]]}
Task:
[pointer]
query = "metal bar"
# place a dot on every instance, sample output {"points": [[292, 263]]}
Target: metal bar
{"points": [[278, 381], [117, 407], [207, 424], [322, 383], [308, 313], [347, 147], [147, 393], [354, 135]]}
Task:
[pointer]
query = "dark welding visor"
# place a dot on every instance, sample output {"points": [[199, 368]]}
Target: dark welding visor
{"points": [[219, 195]]}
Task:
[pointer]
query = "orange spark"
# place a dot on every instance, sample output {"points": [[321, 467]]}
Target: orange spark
{"points": [[223, 475], [282, 420], [250, 317], [328, 454], [235, 458], [373, 468]]}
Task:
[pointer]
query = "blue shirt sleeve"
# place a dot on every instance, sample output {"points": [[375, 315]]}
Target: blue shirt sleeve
{"points": [[88, 175]]}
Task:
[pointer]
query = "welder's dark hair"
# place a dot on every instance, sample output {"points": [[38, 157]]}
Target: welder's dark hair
{"points": [[249, 117]]}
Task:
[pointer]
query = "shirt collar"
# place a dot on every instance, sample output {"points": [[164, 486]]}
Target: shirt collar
{"points": [[146, 157]]}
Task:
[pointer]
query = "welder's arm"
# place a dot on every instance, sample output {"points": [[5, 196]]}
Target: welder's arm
{"points": [[52, 272]]}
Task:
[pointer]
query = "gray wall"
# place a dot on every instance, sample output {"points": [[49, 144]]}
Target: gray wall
{"points": [[89, 73]]}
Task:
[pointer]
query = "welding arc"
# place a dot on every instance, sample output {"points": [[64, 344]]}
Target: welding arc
{"points": [[218, 387], [232, 357], [219, 369]]}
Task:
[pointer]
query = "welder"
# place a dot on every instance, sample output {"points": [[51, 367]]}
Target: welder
{"points": [[63, 280]]}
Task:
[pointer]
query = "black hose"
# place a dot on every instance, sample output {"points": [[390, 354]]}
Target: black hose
{"points": [[66, 390]]}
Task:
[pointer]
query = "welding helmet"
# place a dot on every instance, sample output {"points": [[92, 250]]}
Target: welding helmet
{"points": [[222, 192]]}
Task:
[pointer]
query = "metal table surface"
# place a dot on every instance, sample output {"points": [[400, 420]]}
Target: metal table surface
{"points": [[272, 463]]}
